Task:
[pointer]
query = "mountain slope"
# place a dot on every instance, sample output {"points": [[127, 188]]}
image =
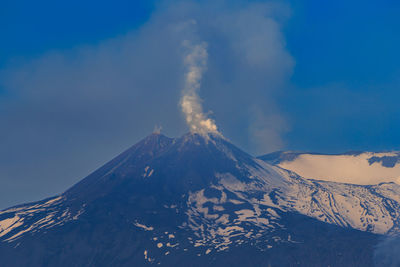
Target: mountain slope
{"points": [[198, 200]]}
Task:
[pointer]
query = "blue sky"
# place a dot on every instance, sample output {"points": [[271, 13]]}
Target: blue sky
{"points": [[351, 47], [32, 28], [327, 81], [348, 50]]}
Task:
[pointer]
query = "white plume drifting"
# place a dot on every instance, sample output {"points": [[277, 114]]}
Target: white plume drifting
{"points": [[195, 62]]}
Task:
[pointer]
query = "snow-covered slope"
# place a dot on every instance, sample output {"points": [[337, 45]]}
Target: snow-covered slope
{"points": [[374, 208], [166, 201], [363, 168]]}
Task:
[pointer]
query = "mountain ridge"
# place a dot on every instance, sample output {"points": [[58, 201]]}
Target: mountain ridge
{"points": [[363, 168], [198, 198]]}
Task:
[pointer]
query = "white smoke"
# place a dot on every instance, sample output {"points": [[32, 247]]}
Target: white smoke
{"points": [[195, 62], [157, 129]]}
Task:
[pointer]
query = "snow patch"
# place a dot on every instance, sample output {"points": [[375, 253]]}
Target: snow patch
{"points": [[147, 172], [144, 227]]}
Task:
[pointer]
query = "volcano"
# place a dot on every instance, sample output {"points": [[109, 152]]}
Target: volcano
{"points": [[198, 200]]}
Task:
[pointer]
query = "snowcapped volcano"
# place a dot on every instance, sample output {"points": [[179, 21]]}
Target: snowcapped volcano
{"points": [[199, 200]]}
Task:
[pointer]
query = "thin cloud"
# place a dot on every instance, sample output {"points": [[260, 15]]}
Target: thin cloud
{"points": [[68, 112]]}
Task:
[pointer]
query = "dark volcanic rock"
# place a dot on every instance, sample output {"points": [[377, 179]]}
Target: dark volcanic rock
{"points": [[190, 201]]}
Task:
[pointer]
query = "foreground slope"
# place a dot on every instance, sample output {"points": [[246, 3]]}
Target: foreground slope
{"points": [[197, 201]]}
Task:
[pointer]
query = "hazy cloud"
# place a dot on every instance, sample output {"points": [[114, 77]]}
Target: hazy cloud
{"points": [[67, 112]]}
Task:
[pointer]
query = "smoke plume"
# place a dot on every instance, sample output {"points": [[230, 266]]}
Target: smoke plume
{"points": [[195, 62], [61, 109]]}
